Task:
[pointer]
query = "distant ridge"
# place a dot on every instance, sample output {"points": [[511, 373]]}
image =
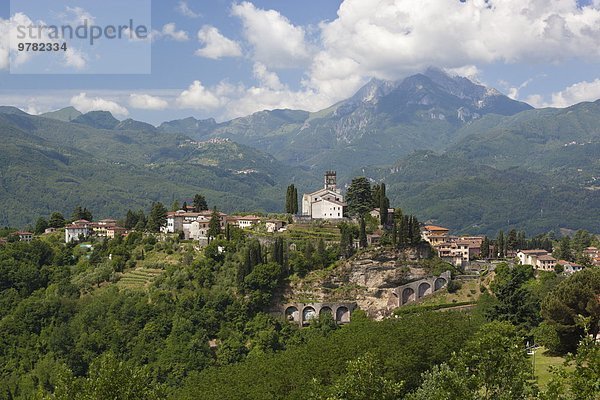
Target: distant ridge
{"points": [[66, 114], [98, 120]]}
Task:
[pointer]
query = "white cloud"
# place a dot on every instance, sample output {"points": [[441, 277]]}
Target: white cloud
{"points": [[391, 39], [576, 93], [582, 91], [76, 16], [185, 10], [267, 78], [198, 97], [467, 71], [85, 104], [75, 58], [276, 42], [216, 45], [9, 39], [170, 31], [4, 44], [147, 102]]}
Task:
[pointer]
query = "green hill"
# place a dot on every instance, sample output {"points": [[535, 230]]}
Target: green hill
{"points": [[470, 197], [64, 114], [48, 165]]}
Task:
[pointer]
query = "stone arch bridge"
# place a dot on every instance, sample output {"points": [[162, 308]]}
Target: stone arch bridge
{"points": [[302, 313], [415, 291]]}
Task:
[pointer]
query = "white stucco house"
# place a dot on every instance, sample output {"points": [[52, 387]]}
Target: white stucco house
{"points": [[78, 229], [326, 203], [194, 225]]}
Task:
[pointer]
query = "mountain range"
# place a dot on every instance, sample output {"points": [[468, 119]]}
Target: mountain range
{"points": [[383, 121], [452, 151]]}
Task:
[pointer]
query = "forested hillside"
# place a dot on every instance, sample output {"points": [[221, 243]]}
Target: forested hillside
{"points": [[148, 318], [49, 165]]}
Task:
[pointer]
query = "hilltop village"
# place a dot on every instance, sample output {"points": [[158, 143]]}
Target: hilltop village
{"points": [[186, 288], [198, 224]]}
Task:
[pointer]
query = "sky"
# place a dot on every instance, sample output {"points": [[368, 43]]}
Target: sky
{"points": [[225, 59]]}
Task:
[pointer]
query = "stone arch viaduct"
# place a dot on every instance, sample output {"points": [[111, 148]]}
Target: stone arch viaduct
{"points": [[302, 313], [414, 291]]}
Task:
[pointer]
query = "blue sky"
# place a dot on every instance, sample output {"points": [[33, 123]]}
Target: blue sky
{"points": [[225, 59]]}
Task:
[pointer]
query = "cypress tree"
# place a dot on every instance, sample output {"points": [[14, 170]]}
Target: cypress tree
{"points": [[415, 238], [485, 247], [384, 204], [346, 241], [362, 237], [214, 225], [295, 201], [321, 253], [500, 244], [278, 252], [288, 200], [511, 240], [291, 200], [394, 234]]}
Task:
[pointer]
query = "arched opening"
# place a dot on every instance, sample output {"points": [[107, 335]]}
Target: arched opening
{"points": [[307, 314], [325, 311], [291, 314], [424, 289], [342, 315], [439, 283], [408, 294], [393, 300]]}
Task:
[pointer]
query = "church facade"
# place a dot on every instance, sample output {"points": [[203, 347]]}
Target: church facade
{"points": [[326, 203]]}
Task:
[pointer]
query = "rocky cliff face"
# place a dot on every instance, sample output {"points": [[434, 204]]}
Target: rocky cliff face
{"points": [[367, 279]]}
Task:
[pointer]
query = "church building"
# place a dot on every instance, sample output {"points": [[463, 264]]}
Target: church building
{"points": [[326, 203]]}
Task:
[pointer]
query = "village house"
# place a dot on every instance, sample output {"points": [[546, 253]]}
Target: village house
{"points": [[244, 222], [376, 213], [594, 255], [434, 234], [83, 229], [455, 252], [80, 229], [24, 236], [274, 225], [326, 203], [474, 243], [529, 257], [539, 258], [193, 225], [569, 267]]}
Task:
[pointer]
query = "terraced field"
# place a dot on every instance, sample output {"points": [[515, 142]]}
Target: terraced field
{"points": [[301, 232], [138, 278]]}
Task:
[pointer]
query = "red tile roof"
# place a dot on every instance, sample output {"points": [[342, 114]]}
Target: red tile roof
{"points": [[435, 228]]}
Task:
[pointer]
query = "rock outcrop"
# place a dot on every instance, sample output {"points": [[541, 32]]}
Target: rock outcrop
{"points": [[368, 278]]}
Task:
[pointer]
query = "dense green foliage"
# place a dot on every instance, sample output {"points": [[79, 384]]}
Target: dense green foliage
{"points": [[359, 197], [69, 328], [573, 299], [405, 347]]}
